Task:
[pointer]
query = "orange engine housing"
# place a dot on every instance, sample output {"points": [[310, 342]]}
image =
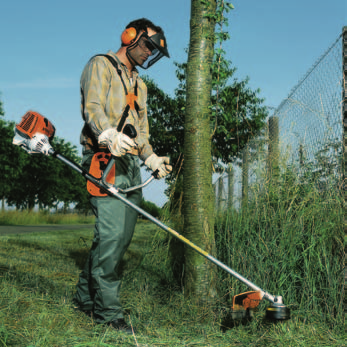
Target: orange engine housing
{"points": [[32, 123]]}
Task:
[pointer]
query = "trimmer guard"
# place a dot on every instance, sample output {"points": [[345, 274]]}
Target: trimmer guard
{"points": [[247, 300]]}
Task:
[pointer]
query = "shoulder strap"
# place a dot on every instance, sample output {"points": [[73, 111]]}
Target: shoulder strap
{"points": [[115, 65], [127, 108]]}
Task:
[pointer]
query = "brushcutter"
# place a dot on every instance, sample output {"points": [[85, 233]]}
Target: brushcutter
{"points": [[34, 134]]}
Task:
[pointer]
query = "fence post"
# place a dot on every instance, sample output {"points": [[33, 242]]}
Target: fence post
{"points": [[220, 193], [301, 156], [344, 110], [245, 167], [273, 154], [230, 187]]}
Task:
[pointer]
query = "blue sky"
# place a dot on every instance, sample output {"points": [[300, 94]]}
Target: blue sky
{"points": [[45, 45]]}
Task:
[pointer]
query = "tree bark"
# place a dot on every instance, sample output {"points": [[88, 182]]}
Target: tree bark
{"points": [[199, 275]]}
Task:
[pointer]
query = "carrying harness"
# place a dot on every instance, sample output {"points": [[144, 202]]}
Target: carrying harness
{"points": [[131, 98], [102, 156]]}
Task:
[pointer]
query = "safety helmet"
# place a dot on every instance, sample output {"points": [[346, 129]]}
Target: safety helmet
{"points": [[156, 44]]}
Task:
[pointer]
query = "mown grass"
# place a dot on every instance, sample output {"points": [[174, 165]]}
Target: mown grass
{"points": [[38, 275]]}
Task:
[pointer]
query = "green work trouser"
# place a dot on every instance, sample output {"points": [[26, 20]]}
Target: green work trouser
{"points": [[98, 289]]}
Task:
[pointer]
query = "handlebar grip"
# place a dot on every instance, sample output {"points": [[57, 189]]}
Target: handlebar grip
{"points": [[155, 174], [130, 131], [124, 117]]}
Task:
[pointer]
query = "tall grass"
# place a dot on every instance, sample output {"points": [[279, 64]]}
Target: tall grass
{"points": [[289, 241]]}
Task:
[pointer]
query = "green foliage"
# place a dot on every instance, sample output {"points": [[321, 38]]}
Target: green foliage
{"points": [[166, 121], [151, 208], [237, 111], [12, 159], [29, 180], [218, 15], [325, 169], [242, 118], [237, 115], [289, 241], [2, 112], [43, 217]]}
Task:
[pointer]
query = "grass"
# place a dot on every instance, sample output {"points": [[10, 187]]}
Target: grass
{"points": [[291, 239], [38, 275], [44, 217]]}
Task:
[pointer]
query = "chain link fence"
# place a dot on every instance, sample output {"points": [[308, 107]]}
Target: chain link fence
{"points": [[305, 134]]}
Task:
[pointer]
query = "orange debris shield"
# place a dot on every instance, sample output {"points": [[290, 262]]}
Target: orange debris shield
{"points": [[97, 168], [246, 300]]}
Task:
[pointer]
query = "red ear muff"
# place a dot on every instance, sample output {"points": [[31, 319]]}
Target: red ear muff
{"points": [[128, 36]]}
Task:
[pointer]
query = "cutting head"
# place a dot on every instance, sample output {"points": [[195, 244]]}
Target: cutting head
{"points": [[277, 312]]}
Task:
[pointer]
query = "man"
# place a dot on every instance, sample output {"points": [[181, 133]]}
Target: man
{"points": [[114, 96]]}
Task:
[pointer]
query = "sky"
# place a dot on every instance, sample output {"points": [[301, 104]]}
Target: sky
{"points": [[45, 45]]}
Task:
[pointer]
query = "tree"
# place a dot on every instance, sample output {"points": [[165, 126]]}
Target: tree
{"points": [[72, 189], [11, 160], [237, 114], [39, 180], [3, 187], [199, 276], [241, 116], [27, 180], [47, 182]]}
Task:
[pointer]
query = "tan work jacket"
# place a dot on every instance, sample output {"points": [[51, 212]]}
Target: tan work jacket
{"points": [[103, 101]]}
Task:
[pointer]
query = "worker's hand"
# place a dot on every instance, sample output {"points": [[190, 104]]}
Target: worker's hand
{"points": [[118, 143], [159, 163]]}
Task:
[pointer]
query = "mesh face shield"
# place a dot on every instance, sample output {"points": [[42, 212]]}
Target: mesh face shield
{"points": [[153, 47]]}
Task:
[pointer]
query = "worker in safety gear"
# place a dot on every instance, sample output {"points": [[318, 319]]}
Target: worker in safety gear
{"points": [[113, 95]]}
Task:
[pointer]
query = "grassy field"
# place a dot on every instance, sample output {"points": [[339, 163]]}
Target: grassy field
{"points": [[39, 271], [32, 218]]}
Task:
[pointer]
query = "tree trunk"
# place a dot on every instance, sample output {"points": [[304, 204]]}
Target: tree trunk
{"points": [[199, 276]]}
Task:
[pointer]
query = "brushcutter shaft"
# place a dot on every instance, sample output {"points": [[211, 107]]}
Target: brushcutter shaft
{"points": [[116, 193], [69, 163], [264, 295], [34, 133], [244, 280]]}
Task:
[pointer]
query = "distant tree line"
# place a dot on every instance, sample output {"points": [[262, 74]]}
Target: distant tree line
{"points": [[37, 180]]}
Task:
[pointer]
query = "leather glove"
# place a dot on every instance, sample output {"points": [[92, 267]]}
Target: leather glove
{"points": [[159, 163], [118, 143]]}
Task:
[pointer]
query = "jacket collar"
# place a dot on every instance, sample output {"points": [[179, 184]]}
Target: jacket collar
{"points": [[123, 66]]}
